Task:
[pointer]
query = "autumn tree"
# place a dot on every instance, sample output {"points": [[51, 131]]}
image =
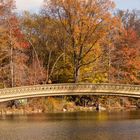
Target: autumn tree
{"points": [[85, 23], [12, 47], [6, 11], [46, 47], [126, 53]]}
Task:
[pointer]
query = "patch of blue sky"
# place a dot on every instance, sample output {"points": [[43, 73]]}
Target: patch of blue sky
{"points": [[128, 4]]}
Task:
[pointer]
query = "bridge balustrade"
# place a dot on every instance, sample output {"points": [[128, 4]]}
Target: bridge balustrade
{"points": [[69, 89]]}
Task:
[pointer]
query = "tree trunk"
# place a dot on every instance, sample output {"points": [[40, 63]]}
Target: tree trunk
{"points": [[76, 74], [12, 67], [48, 67], [109, 65], [11, 54]]}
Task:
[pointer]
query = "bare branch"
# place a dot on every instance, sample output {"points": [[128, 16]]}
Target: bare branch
{"points": [[55, 64], [84, 64]]}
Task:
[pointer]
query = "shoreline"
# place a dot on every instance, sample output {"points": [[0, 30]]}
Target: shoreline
{"points": [[62, 105], [8, 112]]}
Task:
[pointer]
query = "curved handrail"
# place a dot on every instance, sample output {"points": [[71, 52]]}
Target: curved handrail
{"points": [[69, 89]]}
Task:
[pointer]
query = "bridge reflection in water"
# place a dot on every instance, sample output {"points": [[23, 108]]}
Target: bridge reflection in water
{"points": [[7, 94]]}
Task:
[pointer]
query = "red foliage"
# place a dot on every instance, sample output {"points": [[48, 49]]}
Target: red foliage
{"points": [[126, 58], [17, 33]]}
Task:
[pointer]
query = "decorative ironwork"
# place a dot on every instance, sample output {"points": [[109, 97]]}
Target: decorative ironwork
{"points": [[69, 89]]}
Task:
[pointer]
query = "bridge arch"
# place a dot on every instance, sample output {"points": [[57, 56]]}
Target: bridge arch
{"points": [[7, 94]]}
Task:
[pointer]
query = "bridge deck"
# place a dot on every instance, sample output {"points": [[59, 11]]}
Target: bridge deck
{"points": [[69, 89]]}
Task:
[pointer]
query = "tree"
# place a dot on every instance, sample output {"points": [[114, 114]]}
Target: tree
{"points": [[85, 23], [126, 54], [46, 46], [13, 45]]}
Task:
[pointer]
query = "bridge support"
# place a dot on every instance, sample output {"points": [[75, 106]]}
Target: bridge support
{"points": [[97, 104]]}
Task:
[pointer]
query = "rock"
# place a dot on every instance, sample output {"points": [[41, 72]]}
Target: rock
{"points": [[102, 108], [64, 109]]}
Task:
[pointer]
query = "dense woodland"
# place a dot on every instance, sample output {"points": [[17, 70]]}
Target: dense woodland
{"points": [[69, 41]]}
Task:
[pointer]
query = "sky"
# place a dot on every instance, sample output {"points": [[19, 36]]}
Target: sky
{"points": [[128, 4], [33, 5]]}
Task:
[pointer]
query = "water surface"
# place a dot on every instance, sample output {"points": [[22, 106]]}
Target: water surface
{"points": [[72, 126]]}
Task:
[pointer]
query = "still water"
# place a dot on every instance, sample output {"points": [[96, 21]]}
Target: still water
{"points": [[72, 126]]}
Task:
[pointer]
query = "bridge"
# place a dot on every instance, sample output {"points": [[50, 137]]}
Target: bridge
{"points": [[7, 94]]}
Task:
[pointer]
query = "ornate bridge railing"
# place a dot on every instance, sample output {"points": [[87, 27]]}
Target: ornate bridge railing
{"points": [[69, 89]]}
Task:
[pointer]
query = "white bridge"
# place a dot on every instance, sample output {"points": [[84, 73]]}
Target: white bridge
{"points": [[7, 94]]}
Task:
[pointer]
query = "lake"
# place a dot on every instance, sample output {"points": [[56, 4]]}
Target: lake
{"points": [[72, 126]]}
